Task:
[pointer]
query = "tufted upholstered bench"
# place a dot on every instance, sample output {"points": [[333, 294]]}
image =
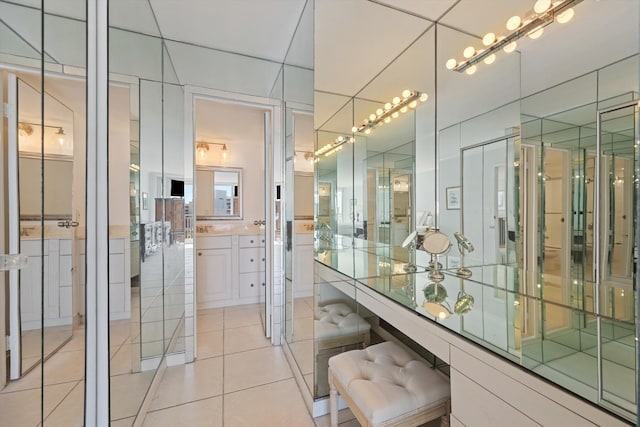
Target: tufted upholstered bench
{"points": [[336, 329], [385, 386]]}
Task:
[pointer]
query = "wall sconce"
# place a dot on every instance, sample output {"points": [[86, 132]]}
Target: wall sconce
{"points": [[532, 25], [25, 129], [391, 110], [334, 147], [202, 148]]}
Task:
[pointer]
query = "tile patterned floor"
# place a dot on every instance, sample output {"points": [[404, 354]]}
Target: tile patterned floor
{"points": [[238, 379], [236, 366]]}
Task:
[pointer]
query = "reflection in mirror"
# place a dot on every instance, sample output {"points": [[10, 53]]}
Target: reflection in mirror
{"points": [[56, 216], [219, 192], [576, 194], [299, 209]]}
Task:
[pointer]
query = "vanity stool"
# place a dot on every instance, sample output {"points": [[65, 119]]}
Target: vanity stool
{"points": [[337, 328], [385, 386]]}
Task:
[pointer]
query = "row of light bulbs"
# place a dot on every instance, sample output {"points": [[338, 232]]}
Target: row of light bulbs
{"points": [[514, 25], [391, 110], [333, 147], [385, 114]]}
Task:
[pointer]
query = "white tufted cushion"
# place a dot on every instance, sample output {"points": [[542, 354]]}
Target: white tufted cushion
{"points": [[335, 320], [386, 383]]}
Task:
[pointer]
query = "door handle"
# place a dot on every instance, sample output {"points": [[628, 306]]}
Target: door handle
{"points": [[68, 224]]}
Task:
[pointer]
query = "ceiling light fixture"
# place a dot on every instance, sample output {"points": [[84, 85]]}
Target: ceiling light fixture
{"points": [[334, 147], [202, 148], [532, 25], [391, 110]]}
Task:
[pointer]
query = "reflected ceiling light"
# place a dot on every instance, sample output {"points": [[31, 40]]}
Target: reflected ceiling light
{"points": [[490, 59], [202, 149], [59, 137], [391, 110], [333, 147], [544, 13], [565, 16], [541, 6]]}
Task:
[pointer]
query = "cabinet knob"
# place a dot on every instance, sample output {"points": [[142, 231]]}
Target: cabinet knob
{"points": [[251, 240], [262, 240], [263, 284], [262, 259], [252, 285], [199, 253], [251, 259]]}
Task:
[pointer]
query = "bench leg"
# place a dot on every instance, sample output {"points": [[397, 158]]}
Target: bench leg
{"points": [[333, 402]]}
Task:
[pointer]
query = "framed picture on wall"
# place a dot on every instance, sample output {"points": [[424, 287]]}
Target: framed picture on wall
{"points": [[145, 201], [453, 198]]}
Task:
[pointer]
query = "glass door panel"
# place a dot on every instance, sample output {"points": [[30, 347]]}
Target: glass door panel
{"points": [[617, 351]]}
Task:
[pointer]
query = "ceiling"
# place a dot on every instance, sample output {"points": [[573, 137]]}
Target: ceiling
{"points": [[370, 49]]}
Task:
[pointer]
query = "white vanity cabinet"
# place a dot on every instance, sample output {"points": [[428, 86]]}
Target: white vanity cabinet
{"points": [[57, 264], [230, 270], [213, 270], [251, 267]]}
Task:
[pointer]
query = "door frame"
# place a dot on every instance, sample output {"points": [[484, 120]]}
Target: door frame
{"points": [[273, 147]]}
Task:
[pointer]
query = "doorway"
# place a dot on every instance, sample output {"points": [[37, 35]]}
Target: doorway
{"points": [[235, 238]]}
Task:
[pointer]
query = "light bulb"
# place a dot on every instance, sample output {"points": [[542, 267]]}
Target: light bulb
{"points": [[413, 104], [536, 33], [488, 39], [510, 47], [201, 153], [367, 131], [379, 112], [468, 52], [442, 315], [340, 138], [565, 16], [490, 59], [424, 97], [387, 119], [395, 114], [59, 136], [403, 109], [451, 64], [396, 100], [406, 93], [471, 70], [541, 6], [387, 106], [513, 23], [354, 129], [224, 151], [372, 117]]}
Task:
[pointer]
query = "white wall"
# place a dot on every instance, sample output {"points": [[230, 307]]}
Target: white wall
{"points": [[241, 128]]}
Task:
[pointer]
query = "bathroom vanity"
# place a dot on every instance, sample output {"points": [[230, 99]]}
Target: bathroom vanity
{"points": [[230, 269]]}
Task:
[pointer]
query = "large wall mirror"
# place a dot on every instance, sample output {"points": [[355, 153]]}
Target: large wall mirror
{"points": [[219, 193]]}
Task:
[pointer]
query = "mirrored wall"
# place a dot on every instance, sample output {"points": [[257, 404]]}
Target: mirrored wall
{"points": [[517, 180], [44, 142]]}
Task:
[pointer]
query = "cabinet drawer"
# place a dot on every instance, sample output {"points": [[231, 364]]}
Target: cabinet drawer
{"points": [[251, 260], [251, 241], [251, 284], [217, 242]]}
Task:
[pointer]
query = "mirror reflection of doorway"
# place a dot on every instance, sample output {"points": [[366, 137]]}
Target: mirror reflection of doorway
{"points": [[47, 216]]}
